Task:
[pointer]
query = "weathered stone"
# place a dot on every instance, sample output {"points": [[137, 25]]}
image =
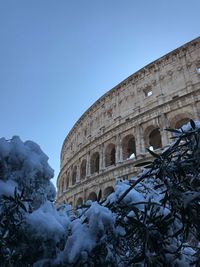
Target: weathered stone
{"points": [[111, 136]]}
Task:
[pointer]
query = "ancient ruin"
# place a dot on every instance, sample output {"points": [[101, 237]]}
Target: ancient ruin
{"points": [[112, 135]]}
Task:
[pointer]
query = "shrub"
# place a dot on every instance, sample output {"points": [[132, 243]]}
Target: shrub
{"points": [[151, 220]]}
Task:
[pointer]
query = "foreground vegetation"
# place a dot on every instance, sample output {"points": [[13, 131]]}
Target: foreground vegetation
{"points": [[151, 220]]}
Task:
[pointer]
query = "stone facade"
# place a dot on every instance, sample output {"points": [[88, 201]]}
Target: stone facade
{"points": [[111, 136]]}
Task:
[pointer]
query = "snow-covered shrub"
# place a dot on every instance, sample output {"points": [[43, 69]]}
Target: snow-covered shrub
{"points": [[153, 220], [30, 226], [25, 166], [163, 228]]}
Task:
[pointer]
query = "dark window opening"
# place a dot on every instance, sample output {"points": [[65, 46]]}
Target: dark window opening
{"points": [[181, 122], [129, 147], [94, 163], [110, 155], [155, 139], [79, 202], [108, 191], [74, 174], [92, 196], [83, 169]]}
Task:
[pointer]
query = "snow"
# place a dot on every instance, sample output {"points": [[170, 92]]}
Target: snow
{"points": [[7, 188], [80, 241], [84, 236], [132, 156], [4, 148], [131, 198], [190, 196], [187, 253], [73, 237], [46, 223], [29, 154], [187, 127], [99, 218], [25, 165]]}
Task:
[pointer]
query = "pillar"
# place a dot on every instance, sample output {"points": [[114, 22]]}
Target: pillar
{"points": [[118, 155], [164, 123], [140, 147], [78, 173], [88, 165], [101, 157]]}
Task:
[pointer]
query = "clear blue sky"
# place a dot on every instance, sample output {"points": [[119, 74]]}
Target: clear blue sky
{"points": [[58, 57]]}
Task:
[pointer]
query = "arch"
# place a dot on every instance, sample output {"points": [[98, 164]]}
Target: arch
{"points": [[153, 138], [79, 202], [177, 120], [94, 163], [132, 115], [62, 185], [110, 155], [83, 169], [181, 122], [74, 175], [92, 196], [128, 147], [107, 191]]}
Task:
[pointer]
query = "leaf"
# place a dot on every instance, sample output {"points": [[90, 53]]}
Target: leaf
{"points": [[144, 163], [149, 166], [138, 258], [8, 198], [173, 130], [99, 195], [193, 125], [21, 204], [158, 186], [153, 153], [178, 232]]}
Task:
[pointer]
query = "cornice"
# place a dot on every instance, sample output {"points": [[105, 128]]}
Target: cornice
{"points": [[125, 122], [135, 77]]}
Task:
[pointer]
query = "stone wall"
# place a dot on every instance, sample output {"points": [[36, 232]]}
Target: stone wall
{"points": [[111, 136]]}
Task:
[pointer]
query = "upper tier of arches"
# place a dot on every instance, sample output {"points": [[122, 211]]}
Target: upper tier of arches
{"points": [[93, 163], [162, 81], [131, 117]]}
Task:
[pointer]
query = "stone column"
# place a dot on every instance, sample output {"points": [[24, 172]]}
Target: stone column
{"points": [[118, 158], [196, 111], [140, 147], [101, 156], [88, 165], [64, 181], [84, 195], [165, 135], [78, 173]]}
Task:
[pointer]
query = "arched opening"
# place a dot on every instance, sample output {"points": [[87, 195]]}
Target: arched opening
{"points": [[94, 163], [181, 122], [178, 120], [108, 191], [62, 185], [110, 155], [79, 202], [155, 139], [92, 196], [128, 147], [83, 169], [67, 180], [74, 175]]}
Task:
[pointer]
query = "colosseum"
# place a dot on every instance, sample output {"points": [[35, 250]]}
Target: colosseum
{"points": [[111, 137]]}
